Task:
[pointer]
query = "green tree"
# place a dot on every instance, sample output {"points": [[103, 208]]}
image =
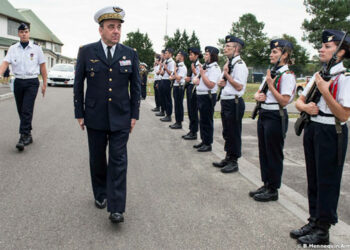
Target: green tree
{"points": [[255, 51], [143, 45]]}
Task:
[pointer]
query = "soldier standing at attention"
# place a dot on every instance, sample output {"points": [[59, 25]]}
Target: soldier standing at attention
{"points": [[107, 109], [178, 90], [159, 85], [324, 148], [156, 83], [27, 61], [232, 104], [273, 120], [143, 75], [207, 81], [191, 97]]}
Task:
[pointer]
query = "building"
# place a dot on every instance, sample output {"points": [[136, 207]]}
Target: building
{"points": [[10, 18]]}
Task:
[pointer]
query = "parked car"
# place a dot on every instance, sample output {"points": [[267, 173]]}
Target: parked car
{"points": [[61, 74], [301, 85]]}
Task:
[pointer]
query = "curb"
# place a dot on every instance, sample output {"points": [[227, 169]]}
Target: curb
{"points": [[6, 96]]}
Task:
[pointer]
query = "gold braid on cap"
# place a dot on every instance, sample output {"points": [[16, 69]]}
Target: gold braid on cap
{"points": [[110, 16]]}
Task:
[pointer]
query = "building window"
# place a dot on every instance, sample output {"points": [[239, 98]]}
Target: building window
{"points": [[12, 27], [40, 43], [52, 62], [5, 51], [57, 48]]}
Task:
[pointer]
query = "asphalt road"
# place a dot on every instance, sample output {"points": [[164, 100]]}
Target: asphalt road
{"points": [[176, 200]]}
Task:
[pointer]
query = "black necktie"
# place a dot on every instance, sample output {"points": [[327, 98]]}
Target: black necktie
{"points": [[109, 55]]}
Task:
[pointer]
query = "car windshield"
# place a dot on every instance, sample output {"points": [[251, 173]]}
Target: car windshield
{"points": [[63, 67]]}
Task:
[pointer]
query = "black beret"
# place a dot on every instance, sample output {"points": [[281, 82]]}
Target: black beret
{"points": [[183, 53], [333, 36], [170, 50], [23, 26], [194, 50], [280, 43], [233, 39], [163, 51], [211, 50]]}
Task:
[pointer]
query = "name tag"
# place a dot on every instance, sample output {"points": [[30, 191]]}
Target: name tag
{"points": [[125, 62]]}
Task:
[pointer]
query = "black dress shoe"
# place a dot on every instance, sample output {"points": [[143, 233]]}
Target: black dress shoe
{"points": [[304, 230], [220, 164], [176, 126], [116, 217], [28, 139], [231, 167], [160, 114], [166, 119], [186, 134], [204, 148], [156, 109], [101, 204], [269, 195], [190, 136], [317, 236], [20, 144], [198, 145], [258, 191]]}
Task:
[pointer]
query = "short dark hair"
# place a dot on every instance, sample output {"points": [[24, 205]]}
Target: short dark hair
{"points": [[345, 47], [213, 58]]}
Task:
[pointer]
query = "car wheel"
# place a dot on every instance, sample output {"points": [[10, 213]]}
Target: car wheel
{"points": [[300, 91]]}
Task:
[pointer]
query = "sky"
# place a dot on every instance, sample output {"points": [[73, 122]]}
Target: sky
{"points": [[73, 23]]}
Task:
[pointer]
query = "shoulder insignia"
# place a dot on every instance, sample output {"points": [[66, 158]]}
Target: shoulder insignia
{"points": [[81, 46], [240, 62], [135, 49], [347, 74]]}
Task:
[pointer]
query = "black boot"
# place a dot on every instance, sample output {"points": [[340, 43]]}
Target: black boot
{"points": [[156, 109], [160, 113], [304, 230], [221, 164], [271, 194], [20, 144], [186, 135], [258, 191], [28, 139], [190, 136], [204, 148], [176, 125], [166, 118], [318, 236], [198, 145], [231, 167]]}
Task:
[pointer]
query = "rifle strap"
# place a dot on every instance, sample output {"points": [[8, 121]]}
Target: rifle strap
{"points": [[211, 98], [339, 131], [237, 107], [283, 121]]}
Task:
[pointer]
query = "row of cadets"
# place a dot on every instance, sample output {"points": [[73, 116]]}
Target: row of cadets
{"points": [[178, 77]]}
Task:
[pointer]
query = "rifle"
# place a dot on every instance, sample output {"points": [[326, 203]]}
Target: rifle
{"points": [[173, 74], [265, 87], [230, 67], [314, 95], [199, 76]]}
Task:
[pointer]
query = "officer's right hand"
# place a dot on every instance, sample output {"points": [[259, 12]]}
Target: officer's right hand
{"points": [[260, 97], [311, 108], [195, 81], [81, 123], [222, 83], [187, 79]]}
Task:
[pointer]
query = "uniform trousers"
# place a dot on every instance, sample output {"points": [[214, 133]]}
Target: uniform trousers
{"points": [[25, 91], [206, 117], [166, 96], [323, 172], [109, 178], [192, 108], [271, 142], [143, 90], [178, 94], [232, 126], [156, 93]]}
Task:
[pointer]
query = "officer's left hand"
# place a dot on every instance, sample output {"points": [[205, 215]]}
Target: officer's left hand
{"points": [[322, 85], [133, 122], [165, 66], [43, 90], [269, 80], [201, 70], [226, 67]]}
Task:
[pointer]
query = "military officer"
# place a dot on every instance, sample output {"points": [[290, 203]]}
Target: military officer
{"points": [[210, 75], [178, 77], [165, 86], [233, 85], [143, 75], [108, 111], [27, 61], [325, 141], [157, 78], [194, 55], [273, 120]]}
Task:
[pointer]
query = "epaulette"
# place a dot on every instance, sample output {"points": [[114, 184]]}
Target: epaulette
{"points": [[81, 46], [347, 72], [135, 49], [289, 72], [240, 62]]}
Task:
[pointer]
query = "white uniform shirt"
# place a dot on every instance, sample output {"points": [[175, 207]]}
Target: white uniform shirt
{"points": [[213, 73], [157, 77], [287, 86], [181, 71], [239, 74], [26, 62], [197, 71], [343, 91], [171, 66], [105, 49]]}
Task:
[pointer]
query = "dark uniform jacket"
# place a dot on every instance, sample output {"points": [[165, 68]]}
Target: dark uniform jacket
{"points": [[108, 105]]}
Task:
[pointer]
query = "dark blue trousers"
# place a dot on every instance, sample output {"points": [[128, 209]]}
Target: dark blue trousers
{"points": [[156, 93], [109, 178], [271, 143], [232, 126], [323, 172], [178, 94], [192, 108], [166, 97], [143, 90], [25, 91], [206, 117]]}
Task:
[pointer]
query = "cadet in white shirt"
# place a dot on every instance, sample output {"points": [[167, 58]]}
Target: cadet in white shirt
{"points": [[27, 61], [165, 86], [157, 78], [324, 149], [210, 75], [232, 85], [178, 77], [273, 120]]}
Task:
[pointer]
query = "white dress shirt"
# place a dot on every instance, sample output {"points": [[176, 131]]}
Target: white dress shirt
{"points": [[240, 75], [213, 73], [105, 49], [181, 71], [171, 66]]}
